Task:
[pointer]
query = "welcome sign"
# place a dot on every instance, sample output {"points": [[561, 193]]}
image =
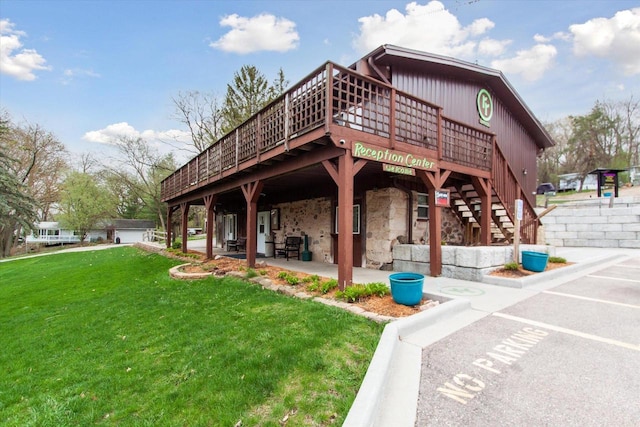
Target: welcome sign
{"points": [[392, 157]]}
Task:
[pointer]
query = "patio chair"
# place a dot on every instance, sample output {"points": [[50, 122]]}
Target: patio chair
{"points": [[290, 247], [240, 243]]}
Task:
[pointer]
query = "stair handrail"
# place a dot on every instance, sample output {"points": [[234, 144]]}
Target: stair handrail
{"points": [[530, 220]]}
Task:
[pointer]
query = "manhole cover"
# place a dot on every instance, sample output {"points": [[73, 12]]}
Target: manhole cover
{"points": [[465, 291]]}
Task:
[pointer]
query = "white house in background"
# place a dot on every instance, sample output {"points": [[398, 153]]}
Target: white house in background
{"points": [[51, 233], [571, 182], [116, 230]]}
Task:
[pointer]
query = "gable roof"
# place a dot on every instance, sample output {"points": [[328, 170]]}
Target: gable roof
{"points": [[389, 55]]}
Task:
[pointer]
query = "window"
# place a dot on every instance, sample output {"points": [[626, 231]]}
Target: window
{"points": [[356, 219], [423, 206]]}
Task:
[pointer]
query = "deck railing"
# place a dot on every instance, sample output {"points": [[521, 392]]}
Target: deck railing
{"points": [[336, 96]]}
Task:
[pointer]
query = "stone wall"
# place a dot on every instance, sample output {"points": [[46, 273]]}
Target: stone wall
{"points": [[386, 224], [593, 226], [459, 262], [311, 217]]}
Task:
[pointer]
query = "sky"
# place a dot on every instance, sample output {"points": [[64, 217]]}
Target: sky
{"points": [[91, 71]]}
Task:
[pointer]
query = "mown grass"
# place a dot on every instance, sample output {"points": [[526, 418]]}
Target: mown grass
{"points": [[106, 337]]}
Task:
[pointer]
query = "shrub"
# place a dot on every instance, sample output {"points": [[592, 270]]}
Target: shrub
{"points": [[289, 278], [328, 285], [177, 244], [557, 260], [512, 266], [358, 292], [251, 273], [292, 280], [352, 293], [282, 275], [378, 289]]}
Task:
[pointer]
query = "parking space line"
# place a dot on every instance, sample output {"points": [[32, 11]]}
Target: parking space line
{"points": [[569, 331], [627, 266], [612, 278], [604, 301]]}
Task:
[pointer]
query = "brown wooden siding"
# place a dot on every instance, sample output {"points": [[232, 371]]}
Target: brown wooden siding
{"points": [[458, 100]]}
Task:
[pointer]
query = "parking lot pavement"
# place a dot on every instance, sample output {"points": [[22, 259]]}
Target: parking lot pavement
{"points": [[569, 355]]}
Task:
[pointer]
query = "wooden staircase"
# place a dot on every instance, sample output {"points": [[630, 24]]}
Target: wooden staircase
{"points": [[465, 203], [505, 189]]}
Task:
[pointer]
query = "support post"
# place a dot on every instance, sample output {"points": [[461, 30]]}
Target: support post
{"points": [[184, 208], [170, 210], [345, 220], [251, 193], [169, 219], [209, 203], [434, 181]]}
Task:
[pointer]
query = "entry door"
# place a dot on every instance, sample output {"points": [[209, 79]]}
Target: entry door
{"points": [[264, 228], [230, 226]]}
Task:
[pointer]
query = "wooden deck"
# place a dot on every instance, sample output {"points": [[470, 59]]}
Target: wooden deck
{"points": [[334, 100]]}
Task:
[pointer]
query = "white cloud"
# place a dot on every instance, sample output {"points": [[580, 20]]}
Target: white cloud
{"points": [[616, 38], [492, 47], [19, 65], [531, 63], [430, 27], [112, 133], [70, 75], [262, 32], [539, 38]]}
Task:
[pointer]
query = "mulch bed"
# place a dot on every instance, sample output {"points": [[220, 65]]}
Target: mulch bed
{"points": [[521, 272]]}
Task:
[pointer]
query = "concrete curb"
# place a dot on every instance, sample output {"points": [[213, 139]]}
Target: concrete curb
{"points": [[367, 404], [545, 276], [177, 274]]}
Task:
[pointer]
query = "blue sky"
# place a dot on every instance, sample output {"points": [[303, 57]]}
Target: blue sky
{"points": [[89, 71]]}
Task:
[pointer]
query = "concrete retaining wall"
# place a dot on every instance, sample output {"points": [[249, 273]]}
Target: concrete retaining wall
{"points": [[593, 226], [459, 262]]}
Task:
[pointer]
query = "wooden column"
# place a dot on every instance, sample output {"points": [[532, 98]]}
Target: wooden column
{"points": [[483, 188], [209, 203], [343, 176], [251, 193], [345, 220], [170, 210], [184, 208], [433, 181]]}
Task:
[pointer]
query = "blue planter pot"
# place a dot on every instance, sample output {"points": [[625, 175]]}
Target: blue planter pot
{"points": [[534, 261], [406, 288]]}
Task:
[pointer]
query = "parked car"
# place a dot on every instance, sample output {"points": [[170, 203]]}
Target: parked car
{"points": [[545, 187]]}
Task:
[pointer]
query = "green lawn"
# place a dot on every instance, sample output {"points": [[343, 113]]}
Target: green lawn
{"points": [[106, 337]]}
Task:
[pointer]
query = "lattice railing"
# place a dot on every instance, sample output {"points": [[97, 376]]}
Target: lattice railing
{"points": [[336, 96], [360, 103], [465, 145], [416, 121]]}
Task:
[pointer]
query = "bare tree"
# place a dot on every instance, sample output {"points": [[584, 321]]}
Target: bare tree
{"points": [[41, 163], [630, 128], [141, 170], [202, 114], [551, 162]]}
